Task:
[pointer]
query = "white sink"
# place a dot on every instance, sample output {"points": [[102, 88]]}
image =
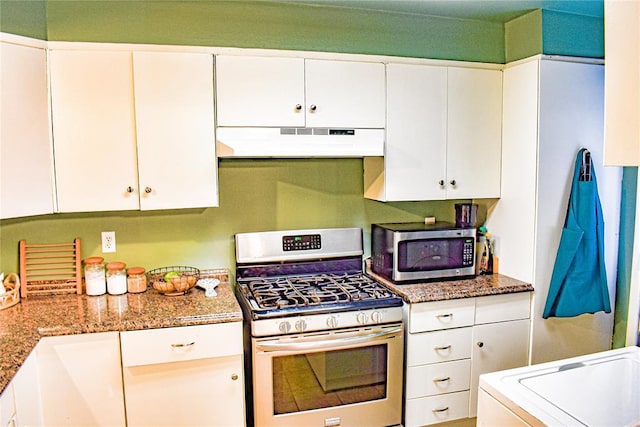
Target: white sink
{"points": [[601, 389]]}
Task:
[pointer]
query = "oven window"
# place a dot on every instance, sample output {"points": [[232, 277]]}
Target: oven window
{"points": [[331, 378], [430, 254]]}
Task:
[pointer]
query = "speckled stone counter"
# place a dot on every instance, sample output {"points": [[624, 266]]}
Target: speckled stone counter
{"points": [[22, 325], [478, 286]]}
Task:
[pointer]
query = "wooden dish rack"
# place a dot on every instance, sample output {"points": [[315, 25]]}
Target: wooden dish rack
{"points": [[50, 268]]}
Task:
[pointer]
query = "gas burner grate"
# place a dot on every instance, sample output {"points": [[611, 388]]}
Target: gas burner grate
{"points": [[314, 290]]}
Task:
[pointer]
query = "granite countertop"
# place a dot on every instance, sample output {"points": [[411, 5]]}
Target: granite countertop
{"points": [[22, 325], [479, 286]]}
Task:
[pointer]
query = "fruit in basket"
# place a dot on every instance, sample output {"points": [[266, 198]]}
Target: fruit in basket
{"points": [[170, 275]]}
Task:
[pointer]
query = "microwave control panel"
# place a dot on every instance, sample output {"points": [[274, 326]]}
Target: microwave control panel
{"points": [[468, 252]]}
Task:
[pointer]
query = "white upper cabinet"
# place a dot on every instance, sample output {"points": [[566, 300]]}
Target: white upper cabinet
{"points": [[415, 148], [296, 92], [177, 163], [474, 133], [94, 130], [120, 148], [259, 91], [443, 135], [345, 94], [622, 83], [26, 154]]}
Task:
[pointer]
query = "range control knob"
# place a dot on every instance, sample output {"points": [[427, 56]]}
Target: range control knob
{"points": [[284, 327], [332, 322], [376, 317], [362, 318], [301, 325]]}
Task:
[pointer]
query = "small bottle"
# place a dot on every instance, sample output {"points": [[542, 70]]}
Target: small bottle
{"points": [[490, 254], [116, 278], [137, 281], [94, 276]]}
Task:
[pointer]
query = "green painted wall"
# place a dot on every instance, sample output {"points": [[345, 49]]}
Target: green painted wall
{"points": [[554, 33], [254, 195], [275, 25], [26, 18]]}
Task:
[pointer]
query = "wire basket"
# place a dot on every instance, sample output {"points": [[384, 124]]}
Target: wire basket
{"points": [[164, 281], [11, 296]]}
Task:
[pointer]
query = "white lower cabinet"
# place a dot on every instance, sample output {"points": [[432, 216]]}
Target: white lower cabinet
{"points": [[450, 343], [189, 375], [80, 378], [7, 408], [26, 391]]}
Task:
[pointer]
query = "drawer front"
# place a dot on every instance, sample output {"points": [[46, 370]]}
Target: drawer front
{"points": [[180, 344], [436, 409], [501, 308], [432, 316], [438, 378], [438, 346]]}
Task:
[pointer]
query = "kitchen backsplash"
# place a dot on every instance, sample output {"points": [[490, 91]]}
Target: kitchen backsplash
{"points": [[255, 195]]}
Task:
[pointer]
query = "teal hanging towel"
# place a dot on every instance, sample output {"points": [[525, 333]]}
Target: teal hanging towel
{"points": [[579, 280]]}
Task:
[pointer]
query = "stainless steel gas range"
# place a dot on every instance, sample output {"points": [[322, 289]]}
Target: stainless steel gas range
{"points": [[323, 341]]}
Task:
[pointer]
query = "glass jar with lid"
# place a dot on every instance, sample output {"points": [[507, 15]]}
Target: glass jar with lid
{"points": [[116, 278], [136, 280], [94, 276]]}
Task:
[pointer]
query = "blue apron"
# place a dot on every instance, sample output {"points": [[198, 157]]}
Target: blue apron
{"points": [[579, 280]]}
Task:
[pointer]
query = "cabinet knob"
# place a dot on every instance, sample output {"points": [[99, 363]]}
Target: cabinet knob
{"points": [[480, 344], [147, 190], [234, 377], [441, 182], [313, 107], [129, 189], [453, 182], [298, 107]]}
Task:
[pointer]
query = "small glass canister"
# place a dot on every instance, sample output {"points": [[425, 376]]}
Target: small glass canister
{"points": [[116, 278], [136, 281], [94, 276]]}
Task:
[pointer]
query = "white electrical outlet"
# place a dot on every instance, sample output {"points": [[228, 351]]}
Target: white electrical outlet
{"points": [[108, 241]]}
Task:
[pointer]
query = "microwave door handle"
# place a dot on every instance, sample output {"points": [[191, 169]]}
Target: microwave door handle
{"points": [[323, 344]]}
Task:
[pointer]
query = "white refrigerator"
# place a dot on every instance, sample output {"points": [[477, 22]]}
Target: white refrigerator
{"points": [[552, 108]]}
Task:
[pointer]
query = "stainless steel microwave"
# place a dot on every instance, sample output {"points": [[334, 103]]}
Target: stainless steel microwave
{"points": [[417, 251]]}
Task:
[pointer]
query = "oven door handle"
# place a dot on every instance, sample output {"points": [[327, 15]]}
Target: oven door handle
{"points": [[323, 344]]}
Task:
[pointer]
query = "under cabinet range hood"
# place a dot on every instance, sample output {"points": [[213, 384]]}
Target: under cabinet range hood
{"points": [[298, 142]]}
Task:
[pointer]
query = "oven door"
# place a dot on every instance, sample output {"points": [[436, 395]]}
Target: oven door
{"points": [[336, 378]]}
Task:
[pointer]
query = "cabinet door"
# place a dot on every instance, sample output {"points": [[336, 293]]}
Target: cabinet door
{"points": [[259, 91], [496, 347], [26, 154], [415, 147], [81, 380], [94, 130], [189, 375], [474, 133], [345, 94], [175, 130]]}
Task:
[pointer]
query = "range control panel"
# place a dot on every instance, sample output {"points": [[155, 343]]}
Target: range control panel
{"points": [[301, 242]]}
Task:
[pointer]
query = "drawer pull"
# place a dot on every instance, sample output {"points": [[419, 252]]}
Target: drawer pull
{"points": [[445, 315], [441, 348], [181, 345], [441, 380], [234, 377], [440, 410]]}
